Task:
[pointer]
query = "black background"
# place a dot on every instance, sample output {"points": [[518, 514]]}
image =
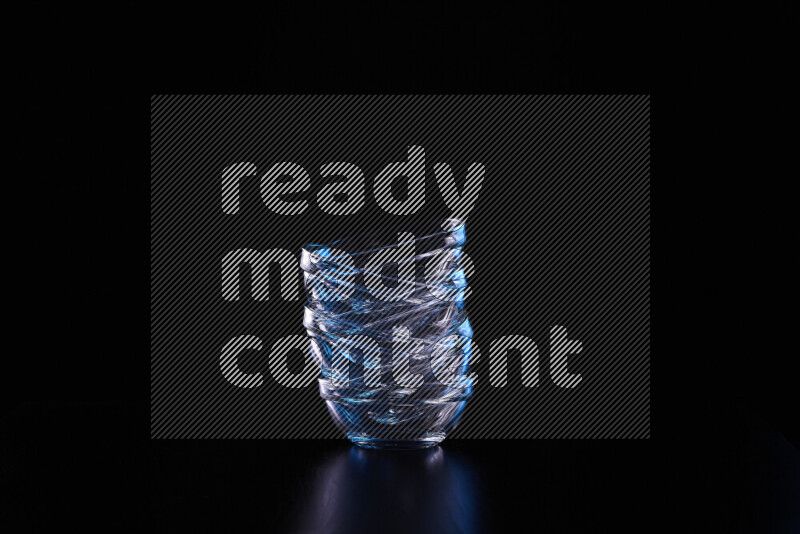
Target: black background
{"points": [[75, 426], [557, 238]]}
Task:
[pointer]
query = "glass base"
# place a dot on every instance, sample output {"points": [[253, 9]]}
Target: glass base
{"points": [[430, 440], [392, 424]]}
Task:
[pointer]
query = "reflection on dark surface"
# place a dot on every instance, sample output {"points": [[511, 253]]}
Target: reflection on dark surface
{"points": [[733, 473], [360, 490]]}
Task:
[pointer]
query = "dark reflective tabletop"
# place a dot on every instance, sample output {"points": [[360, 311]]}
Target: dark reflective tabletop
{"points": [[84, 464]]}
